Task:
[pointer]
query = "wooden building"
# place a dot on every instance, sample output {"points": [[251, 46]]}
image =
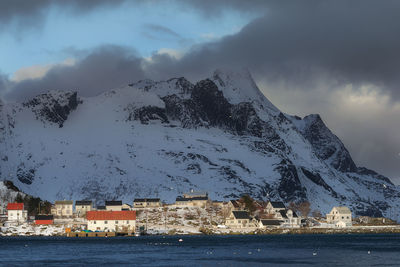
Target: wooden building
{"points": [[111, 221]]}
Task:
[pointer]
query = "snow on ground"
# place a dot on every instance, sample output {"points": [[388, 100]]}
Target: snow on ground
{"points": [[28, 229]]}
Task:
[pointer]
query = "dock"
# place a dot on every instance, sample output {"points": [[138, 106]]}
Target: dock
{"points": [[98, 234]]}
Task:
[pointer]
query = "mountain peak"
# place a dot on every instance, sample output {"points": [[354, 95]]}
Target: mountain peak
{"points": [[238, 86]]}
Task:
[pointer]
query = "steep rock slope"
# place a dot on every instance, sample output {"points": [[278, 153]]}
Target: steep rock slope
{"points": [[160, 139]]}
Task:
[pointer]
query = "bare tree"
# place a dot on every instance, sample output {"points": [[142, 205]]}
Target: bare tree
{"points": [[316, 214], [304, 208]]}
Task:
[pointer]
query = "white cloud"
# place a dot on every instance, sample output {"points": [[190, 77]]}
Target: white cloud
{"points": [[38, 71]]}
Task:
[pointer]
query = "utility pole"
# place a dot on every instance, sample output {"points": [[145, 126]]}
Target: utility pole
{"points": [[165, 220], [146, 220]]}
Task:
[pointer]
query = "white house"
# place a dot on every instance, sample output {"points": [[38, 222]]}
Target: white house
{"points": [[273, 207], [16, 212], [83, 206], [340, 217], [289, 218], [238, 219], [114, 205], [112, 221]]}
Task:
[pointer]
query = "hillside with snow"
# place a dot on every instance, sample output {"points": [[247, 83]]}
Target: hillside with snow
{"points": [[160, 139]]}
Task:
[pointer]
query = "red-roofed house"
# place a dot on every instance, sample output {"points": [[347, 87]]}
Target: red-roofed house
{"points": [[16, 212], [114, 221]]}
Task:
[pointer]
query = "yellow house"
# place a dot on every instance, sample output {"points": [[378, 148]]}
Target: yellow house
{"points": [[63, 208]]}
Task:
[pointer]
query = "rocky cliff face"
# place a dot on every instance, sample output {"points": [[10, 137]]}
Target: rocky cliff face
{"points": [[163, 138]]}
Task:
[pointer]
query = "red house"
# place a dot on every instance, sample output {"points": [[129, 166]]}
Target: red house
{"points": [[44, 219]]}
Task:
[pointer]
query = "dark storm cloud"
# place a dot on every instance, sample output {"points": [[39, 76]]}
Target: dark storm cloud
{"points": [[308, 48], [105, 68], [30, 13], [354, 42]]}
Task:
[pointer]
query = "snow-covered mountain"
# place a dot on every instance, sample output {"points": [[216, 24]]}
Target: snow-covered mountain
{"points": [[159, 139], [8, 193]]}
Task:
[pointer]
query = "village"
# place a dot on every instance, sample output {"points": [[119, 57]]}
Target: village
{"points": [[192, 213]]}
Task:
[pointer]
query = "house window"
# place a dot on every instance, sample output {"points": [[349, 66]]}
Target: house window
{"points": [[239, 221], [342, 217], [127, 222], [116, 222], [347, 217], [94, 222], [105, 222]]}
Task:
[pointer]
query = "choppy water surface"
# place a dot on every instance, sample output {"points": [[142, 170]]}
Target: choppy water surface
{"points": [[277, 250]]}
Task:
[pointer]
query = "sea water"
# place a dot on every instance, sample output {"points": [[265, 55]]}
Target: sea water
{"points": [[238, 250]]}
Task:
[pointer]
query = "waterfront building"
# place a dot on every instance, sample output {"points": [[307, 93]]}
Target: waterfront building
{"points": [[269, 223], [16, 212], [44, 219], [83, 206], [340, 217], [63, 208], [238, 219], [288, 217], [273, 207], [112, 221]]}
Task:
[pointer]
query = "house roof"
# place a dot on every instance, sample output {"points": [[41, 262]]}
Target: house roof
{"points": [[234, 203], [15, 206], [83, 202], [153, 199], [111, 215], [191, 198], [114, 203], [283, 213], [343, 210], [277, 204], [146, 200], [101, 207], [271, 222], [64, 202], [44, 217], [239, 214]]}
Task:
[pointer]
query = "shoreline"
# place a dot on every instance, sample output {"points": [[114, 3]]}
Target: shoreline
{"points": [[233, 232]]}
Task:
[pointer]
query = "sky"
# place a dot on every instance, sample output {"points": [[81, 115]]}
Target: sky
{"points": [[340, 59]]}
